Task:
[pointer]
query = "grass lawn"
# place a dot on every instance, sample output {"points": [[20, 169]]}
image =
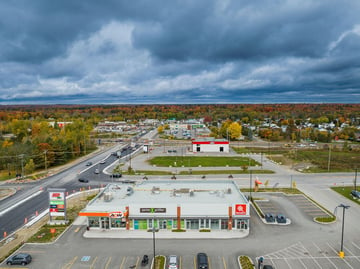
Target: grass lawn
{"points": [[345, 191], [47, 233], [192, 161]]}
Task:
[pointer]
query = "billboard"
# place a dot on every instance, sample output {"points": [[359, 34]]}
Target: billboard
{"points": [[57, 202]]}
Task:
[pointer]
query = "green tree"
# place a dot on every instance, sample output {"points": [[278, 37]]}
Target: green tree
{"points": [[234, 130], [29, 167]]}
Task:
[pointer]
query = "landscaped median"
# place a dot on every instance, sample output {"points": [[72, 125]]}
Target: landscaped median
{"points": [[160, 262], [245, 262]]}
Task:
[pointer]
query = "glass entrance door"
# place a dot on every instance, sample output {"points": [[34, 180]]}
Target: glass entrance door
{"points": [[105, 223]]}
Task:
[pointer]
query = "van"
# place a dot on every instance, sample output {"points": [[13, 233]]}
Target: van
{"points": [[202, 261], [173, 262]]}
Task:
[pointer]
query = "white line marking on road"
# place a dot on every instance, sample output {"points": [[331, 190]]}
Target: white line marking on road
{"points": [[341, 259], [355, 245], [19, 203]]}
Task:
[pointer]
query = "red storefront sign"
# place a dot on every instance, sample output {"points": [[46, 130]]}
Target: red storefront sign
{"points": [[240, 209]]}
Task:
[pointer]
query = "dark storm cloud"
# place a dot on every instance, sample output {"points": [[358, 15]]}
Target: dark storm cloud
{"points": [[202, 51]]}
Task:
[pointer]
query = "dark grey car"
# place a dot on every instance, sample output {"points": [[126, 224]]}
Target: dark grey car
{"points": [[202, 261], [21, 258]]}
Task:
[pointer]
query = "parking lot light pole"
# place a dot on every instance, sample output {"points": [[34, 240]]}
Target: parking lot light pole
{"points": [[250, 183], [341, 253]]}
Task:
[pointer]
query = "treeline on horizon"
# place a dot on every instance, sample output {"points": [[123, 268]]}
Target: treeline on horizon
{"points": [[211, 112]]}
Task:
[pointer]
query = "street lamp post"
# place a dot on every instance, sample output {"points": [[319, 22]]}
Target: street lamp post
{"points": [[250, 183], [153, 231], [341, 253], [355, 179]]}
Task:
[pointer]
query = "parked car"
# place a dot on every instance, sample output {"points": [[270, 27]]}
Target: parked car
{"points": [[83, 180], [96, 171], [268, 267], [280, 218], [116, 175], [21, 258], [173, 262], [88, 163], [269, 217], [202, 261], [355, 194], [145, 260]]}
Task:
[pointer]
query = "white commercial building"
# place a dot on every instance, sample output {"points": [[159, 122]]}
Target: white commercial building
{"points": [[169, 205], [210, 144]]}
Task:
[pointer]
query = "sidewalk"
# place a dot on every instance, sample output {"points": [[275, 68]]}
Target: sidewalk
{"points": [[165, 234], [162, 234]]}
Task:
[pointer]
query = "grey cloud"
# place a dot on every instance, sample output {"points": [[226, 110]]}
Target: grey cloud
{"points": [[179, 51]]}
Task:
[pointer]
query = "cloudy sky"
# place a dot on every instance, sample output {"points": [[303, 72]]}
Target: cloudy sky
{"points": [[179, 51]]}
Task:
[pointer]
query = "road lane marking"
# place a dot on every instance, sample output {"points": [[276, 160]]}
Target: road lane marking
{"points": [[320, 251], [341, 259]]}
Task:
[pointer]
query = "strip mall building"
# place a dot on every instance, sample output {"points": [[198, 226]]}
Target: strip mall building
{"points": [[167, 205]]}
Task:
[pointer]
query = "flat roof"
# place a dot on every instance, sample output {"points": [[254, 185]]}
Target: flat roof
{"points": [[167, 193]]}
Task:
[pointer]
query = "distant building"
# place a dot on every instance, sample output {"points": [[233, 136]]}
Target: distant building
{"points": [[210, 144]]}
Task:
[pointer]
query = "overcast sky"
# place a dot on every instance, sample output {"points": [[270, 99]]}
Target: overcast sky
{"points": [[179, 51]]}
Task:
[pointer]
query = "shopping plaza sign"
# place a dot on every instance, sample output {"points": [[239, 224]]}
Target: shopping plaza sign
{"points": [[240, 209]]}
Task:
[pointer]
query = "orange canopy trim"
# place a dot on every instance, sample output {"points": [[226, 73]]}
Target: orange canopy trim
{"points": [[94, 214]]}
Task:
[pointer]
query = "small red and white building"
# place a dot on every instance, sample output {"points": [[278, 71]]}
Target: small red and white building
{"points": [[210, 144]]}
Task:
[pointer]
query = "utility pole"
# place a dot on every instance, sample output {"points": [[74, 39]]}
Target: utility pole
{"points": [[45, 152], [22, 165], [329, 158], [355, 178]]}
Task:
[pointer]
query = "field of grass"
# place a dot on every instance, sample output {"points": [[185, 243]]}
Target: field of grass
{"points": [[340, 160], [345, 191], [192, 161]]}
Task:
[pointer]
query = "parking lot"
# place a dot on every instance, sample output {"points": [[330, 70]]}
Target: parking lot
{"points": [[278, 203], [311, 255], [122, 262]]}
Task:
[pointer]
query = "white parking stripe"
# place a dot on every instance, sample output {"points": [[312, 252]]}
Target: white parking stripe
{"points": [[352, 254], [324, 255], [307, 251], [355, 245], [341, 259]]}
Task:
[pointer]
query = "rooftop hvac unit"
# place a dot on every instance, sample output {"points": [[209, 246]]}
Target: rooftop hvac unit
{"points": [[107, 197], [228, 191], [155, 190], [129, 191]]}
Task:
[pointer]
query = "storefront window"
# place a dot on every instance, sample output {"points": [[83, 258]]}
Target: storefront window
{"points": [[224, 224], [94, 222], [192, 224], [214, 224], [174, 223], [204, 223], [118, 223]]}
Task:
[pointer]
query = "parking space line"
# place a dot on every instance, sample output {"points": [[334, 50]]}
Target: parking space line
{"points": [[194, 263], [180, 263], [107, 263], [341, 259], [351, 253], [324, 254], [70, 264], [93, 263], [355, 245], [122, 262], [224, 262], [209, 263]]}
